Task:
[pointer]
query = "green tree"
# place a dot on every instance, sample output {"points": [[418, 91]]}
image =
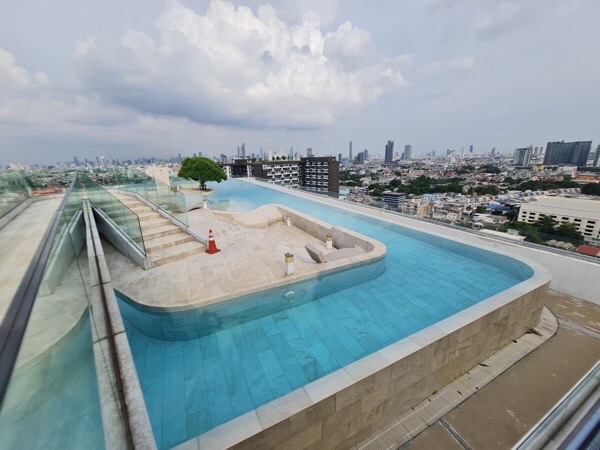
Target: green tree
{"points": [[486, 190], [201, 170], [591, 189], [546, 224], [512, 215], [489, 168], [568, 229], [532, 236]]}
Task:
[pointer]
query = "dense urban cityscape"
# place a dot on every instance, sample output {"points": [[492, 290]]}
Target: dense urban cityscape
{"points": [[486, 191]]}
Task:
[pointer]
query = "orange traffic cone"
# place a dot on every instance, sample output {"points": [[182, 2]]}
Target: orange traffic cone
{"points": [[212, 245]]}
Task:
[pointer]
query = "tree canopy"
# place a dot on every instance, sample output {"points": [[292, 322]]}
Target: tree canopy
{"points": [[201, 170], [591, 189]]}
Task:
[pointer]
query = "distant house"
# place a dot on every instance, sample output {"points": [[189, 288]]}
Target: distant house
{"points": [[588, 250]]}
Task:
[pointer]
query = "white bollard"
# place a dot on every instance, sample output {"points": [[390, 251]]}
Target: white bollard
{"points": [[288, 221], [204, 204], [289, 263], [329, 242]]}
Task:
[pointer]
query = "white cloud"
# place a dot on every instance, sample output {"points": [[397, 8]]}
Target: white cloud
{"points": [[447, 66], [231, 66], [15, 80]]}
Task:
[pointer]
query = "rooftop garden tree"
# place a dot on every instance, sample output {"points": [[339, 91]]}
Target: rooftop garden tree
{"points": [[201, 170]]}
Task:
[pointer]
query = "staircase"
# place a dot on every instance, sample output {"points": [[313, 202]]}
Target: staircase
{"points": [[164, 241]]}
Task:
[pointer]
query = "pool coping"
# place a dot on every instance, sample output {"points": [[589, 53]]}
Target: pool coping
{"points": [[266, 416]]}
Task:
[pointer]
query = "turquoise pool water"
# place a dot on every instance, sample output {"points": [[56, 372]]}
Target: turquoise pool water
{"points": [[195, 382]]}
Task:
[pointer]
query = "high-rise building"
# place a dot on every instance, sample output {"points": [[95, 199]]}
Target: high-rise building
{"points": [[389, 152], [339, 157], [309, 152], [243, 150], [471, 149], [597, 157], [350, 152], [407, 151], [317, 173], [522, 156], [567, 153], [366, 155]]}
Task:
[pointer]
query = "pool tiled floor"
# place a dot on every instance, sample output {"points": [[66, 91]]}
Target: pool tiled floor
{"points": [[193, 386]]}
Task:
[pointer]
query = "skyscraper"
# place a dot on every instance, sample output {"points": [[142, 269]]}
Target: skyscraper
{"points": [[389, 152], [366, 155], [309, 152], [407, 151], [471, 149], [597, 157], [566, 153], [243, 151], [350, 152], [522, 156]]}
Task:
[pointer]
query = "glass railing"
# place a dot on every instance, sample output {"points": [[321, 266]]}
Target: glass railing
{"points": [[13, 191], [167, 198], [124, 218], [50, 395]]}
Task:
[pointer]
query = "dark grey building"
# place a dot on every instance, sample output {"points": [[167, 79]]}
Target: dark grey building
{"points": [[389, 152], [522, 156], [597, 157], [567, 153], [321, 174], [394, 199]]}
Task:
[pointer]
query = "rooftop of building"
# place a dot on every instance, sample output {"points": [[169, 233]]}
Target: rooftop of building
{"points": [[586, 205]]}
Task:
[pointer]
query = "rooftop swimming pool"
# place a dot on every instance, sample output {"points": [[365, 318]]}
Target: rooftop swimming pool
{"points": [[209, 366]]}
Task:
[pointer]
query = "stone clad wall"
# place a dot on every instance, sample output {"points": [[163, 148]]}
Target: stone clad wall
{"points": [[403, 379]]}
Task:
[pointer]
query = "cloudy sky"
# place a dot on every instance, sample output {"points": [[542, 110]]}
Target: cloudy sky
{"points": [[155, 78]]}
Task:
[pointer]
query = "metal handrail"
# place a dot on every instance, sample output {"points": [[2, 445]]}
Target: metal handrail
{"points": [[14, 324]]}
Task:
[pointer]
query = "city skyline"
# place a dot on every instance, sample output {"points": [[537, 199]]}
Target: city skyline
{"points": [[305, 74]]}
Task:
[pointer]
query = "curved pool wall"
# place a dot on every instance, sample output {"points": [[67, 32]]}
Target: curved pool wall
{"points": [[198, 385], [193, 323], [53, 402]]}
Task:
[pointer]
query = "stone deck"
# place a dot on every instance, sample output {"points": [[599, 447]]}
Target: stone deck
{"points": [[251, 259]]}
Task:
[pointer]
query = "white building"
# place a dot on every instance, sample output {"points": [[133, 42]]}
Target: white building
{"points": [[582, 212]]}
